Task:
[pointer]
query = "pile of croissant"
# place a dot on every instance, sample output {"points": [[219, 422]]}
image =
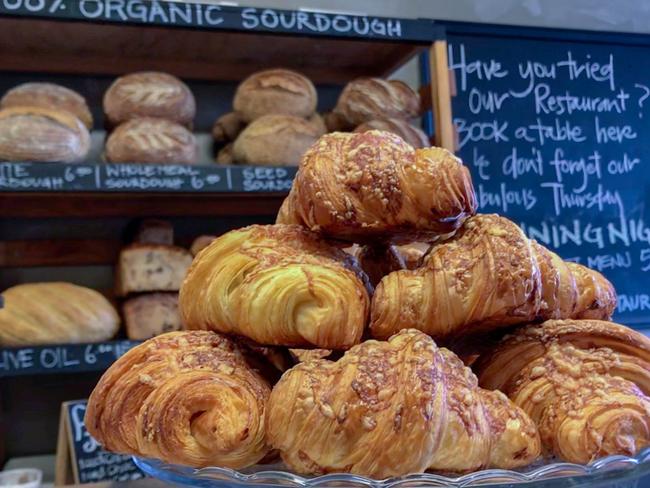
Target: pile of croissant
{"points": [[367, 390]]}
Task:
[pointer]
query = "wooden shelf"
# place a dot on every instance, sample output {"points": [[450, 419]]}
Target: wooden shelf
{"points": [[53, 40], [61, 358]]}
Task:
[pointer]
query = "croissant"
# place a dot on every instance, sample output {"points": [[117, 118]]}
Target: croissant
{"points": [[184, 397], [277, 285], [370, 186], [489, 275], [55, 313], [584, 382], [391, 408]]}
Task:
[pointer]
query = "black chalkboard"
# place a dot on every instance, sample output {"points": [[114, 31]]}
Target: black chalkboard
{"points": [[91, 463], [554, 130], [64, 358], [136, 178], [200, 15]]}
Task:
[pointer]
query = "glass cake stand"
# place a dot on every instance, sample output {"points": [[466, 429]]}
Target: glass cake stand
{"points": [[612, 471]]}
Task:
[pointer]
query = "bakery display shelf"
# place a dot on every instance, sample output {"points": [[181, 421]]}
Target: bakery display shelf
{"points": [[624, 471], [199, 41], [61, 358]]}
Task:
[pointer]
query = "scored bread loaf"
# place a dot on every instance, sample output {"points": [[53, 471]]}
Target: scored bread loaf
{"points": [[407, 131], [275, 91], [49, 96], [151, 140], [152, 314], [366, 99], [55, 313], [42, 135], [149, 94], [151, 267], [154, 231], [275, 140]]}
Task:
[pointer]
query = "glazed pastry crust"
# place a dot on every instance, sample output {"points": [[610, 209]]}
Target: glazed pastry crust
{"points": [[490, 275], [391, 408], [55, 313], [584, 382], [184, 397], [365, 187], [277, 285]]}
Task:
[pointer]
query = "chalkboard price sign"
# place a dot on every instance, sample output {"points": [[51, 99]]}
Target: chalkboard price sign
{"points": [[554, 133], [175, 178], [81, 456], [61, 358]]}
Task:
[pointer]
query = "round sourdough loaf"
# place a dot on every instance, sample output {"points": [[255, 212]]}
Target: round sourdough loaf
{"points": [[275, 91], [275, 140], [150, 140], [149, 94], [407, 131]]}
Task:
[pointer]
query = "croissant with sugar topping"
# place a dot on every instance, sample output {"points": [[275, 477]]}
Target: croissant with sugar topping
{"points": [[277, 285], [584, 382], [184, 397], [373, 186], [489, 275], [391, 408]]}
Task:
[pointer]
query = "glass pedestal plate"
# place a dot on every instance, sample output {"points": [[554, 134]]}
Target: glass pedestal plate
{"points": [[612, 471]]}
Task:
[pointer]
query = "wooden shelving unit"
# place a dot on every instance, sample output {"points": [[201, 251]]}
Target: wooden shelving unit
{"points": [[63, 221]]}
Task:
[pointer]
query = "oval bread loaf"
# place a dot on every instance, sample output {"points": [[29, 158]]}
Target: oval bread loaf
{"points": [[50, 96], [42, 135], [149, 94], [149, 140]]}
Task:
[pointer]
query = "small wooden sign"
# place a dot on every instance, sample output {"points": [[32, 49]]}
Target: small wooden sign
{"points": [[80, 459]]}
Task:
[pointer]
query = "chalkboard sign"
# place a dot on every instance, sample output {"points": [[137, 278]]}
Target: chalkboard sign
{"points": [[555, 134], [205, 16], [81, 455], [165, 178], [63, 358]]}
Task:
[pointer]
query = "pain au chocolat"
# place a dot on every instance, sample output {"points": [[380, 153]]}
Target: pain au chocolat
{"points": [[277, 285]]}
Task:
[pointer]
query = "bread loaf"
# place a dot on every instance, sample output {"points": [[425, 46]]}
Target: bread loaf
{"points": [[227, 127], [150, 140], [275, 140], [153, 231], [201, 243], [224, 156], [150, 315], [149, 94], [275, 91], [150, 267], [55, 313], [49, 96], [411, 134], [373, 98], [42, 135]]}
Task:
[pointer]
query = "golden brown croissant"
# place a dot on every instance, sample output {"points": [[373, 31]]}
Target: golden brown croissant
{"points": [[277, 285], [184, 397], [392, 408], [584, 382], [489, 275], [373, 186], [55, 313]]}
